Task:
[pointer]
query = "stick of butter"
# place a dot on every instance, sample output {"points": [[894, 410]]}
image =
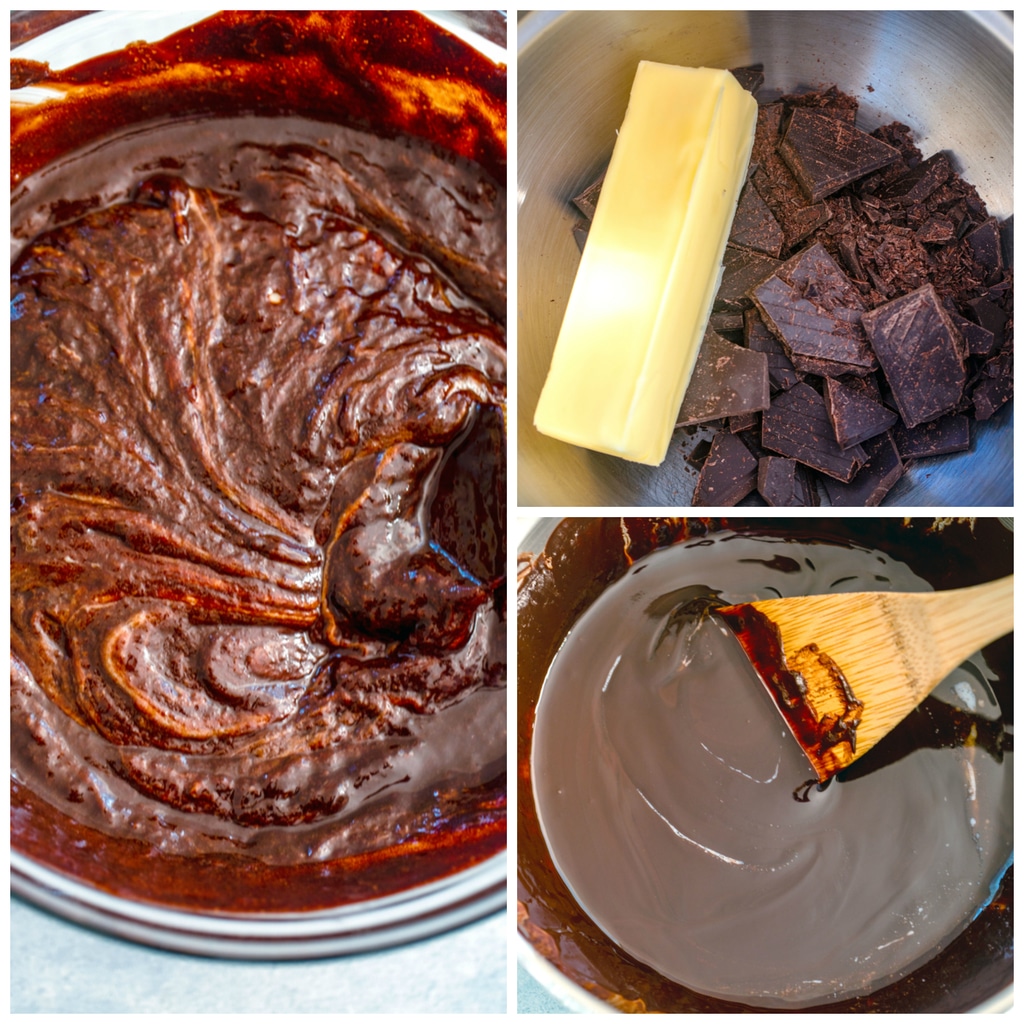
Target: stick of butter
{"points": [[651, 265]]}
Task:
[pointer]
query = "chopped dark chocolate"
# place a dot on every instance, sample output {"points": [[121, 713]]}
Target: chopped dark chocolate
{"points": [[987, 247], [796, 425], [994, 386], [742, 270], [815, 311], [943, 436], [872, 482], [920, 182], [744, 421], [980, 341], [785, 482], [755, 226], [936, 230], [699, 452], [727, 380], [921, 354], [728, 325], [580, 230], [586, 201], [729, 472], [750, 77], [855, 416], [825, 153], [989, 314], [781, 373]]}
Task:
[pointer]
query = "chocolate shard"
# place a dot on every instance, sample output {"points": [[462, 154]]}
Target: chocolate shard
{"points": [[781, 372], [796, 425], [742, 270], [939, 437], [987, 247], [580, 230], [987, 312], [825, 153], [727, 380], [936, 230], [979, 340], [920, 182], [729, 472], [750, 77], [855, 416], [993, 387], [921, 354], [785, 483], [815, 310], [872, 482], [755, 226], [586, 201]]}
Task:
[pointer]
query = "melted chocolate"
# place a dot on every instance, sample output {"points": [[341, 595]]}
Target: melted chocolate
{"points": [[258, 471], [677, 809]]}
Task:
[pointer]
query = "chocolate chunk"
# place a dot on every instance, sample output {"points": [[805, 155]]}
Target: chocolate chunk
{"points": [[1006, 233], [987, 247], [699, 452], [727, 380], [815, 311], [744, 421], [921, 353], [796, 425], [994, 385], [742, 270], [775, 183], [825, 154], [755, 226], [937, 230], [989, 314], [785, 482], [874, 481], [729, 472], [939, 437], [728, 325], [781, 373], [586, 201], [750, 77], [920, 182], [580, 230], [855, 416], [979, 340]]}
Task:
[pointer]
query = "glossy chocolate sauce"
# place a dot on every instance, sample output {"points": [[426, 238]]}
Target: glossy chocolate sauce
{"points": [[676, 852], [258, 470]]}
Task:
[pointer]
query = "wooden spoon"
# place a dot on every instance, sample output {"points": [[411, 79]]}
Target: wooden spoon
{"points": [[845, 669]]}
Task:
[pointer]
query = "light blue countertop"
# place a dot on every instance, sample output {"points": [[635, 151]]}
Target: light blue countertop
{"points": [[58, 967]]}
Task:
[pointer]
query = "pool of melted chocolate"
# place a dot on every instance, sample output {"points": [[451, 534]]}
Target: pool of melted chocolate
{"points": [[687, 824], [258, 477]]}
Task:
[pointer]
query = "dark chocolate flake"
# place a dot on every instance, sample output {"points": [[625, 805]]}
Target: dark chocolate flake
{"points": [[825, 154]]}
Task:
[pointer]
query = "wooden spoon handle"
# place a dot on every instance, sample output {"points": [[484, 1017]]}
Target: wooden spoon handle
{"points": [[963, 621]]}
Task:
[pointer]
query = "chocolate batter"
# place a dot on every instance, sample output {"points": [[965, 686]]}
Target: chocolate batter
{"points": [[686, 822], [258, 478]]}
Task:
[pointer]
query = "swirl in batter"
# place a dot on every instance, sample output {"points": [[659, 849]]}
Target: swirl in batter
{"points": [[258, 394]]}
